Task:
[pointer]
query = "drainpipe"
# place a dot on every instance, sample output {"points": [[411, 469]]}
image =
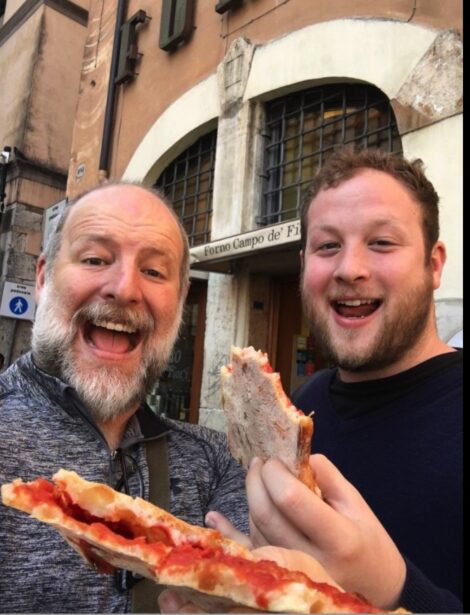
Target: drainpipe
{"points": [[5, 161], [5, 156], [109, 112]]}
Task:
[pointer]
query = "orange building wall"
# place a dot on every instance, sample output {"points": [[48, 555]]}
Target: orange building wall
{"points": [[163, 77]]}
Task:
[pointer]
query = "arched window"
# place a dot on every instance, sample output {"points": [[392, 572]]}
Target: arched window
{"points": [[188, 182], [302, 127]]}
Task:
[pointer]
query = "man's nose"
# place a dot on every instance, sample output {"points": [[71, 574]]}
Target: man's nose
{"points": [[352, 265], [123, 284]]}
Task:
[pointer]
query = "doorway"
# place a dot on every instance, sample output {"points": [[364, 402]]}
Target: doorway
{"points": [[177, 392], [291, 347]]}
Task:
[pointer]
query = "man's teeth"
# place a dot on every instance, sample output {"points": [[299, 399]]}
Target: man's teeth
{"points": [[356, 302], [115, 326]]}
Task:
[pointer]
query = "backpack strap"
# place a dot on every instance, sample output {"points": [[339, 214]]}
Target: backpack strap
{"points": [[145, 592]]}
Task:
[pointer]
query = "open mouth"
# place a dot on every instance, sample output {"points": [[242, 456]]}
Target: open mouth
{"points": [[356, 308], [109, 336]]}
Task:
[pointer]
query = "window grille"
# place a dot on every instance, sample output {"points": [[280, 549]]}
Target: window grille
{"points": [[303, 127], [188, 183]]}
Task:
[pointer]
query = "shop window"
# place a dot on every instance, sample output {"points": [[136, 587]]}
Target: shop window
{"points": [[188, 182], [303, 127], [176, 393]]}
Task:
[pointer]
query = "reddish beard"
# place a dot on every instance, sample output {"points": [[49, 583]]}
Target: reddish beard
{"points": [[401, 329]]}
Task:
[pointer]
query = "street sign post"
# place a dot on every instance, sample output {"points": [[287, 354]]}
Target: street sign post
{"points": [[18, 301]]}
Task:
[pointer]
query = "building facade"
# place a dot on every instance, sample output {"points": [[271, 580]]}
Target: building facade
{"points": [[41, 51], [229, 107]]}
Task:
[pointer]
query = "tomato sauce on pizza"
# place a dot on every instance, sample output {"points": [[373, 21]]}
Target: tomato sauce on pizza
{"points": [[113, 530]]}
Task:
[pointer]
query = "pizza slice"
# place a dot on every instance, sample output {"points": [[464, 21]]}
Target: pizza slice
{"points": [[261, 420], [112, 530]]}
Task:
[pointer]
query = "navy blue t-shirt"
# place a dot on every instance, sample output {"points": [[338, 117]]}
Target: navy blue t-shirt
{"points": [[399, 441]]}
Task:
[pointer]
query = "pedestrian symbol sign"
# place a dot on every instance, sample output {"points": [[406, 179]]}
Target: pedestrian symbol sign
{"points": [[18, 301], [18, 305]]}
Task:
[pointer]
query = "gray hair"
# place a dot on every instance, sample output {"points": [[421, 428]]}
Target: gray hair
{"points": [[54, 241]]}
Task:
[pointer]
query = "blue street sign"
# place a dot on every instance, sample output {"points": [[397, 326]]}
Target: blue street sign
{"points": [[18, 305], [18, 301]]}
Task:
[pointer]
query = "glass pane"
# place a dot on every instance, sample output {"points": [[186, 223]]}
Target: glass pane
{"points": [[289, 203], [172, 392], [311, 143], [290, 175], [332, 134], [180, 169], [188, 182], [302, 127], [190, 207], [354, 126], [291, 149], [309, 167], [292, 126], [312, 120]]}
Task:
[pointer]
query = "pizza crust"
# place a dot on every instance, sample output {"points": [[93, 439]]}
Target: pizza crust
{"points": [[112, 530], [261, 420]]}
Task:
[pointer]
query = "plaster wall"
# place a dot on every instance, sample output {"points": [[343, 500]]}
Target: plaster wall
{"points": [[265, 20], [11, 7], [41, 50], [440, 146], [169, 134], [377, 52], [39, 92], [17, 59], [93, 87], [165, 77], [54, 91], [221, 331]]}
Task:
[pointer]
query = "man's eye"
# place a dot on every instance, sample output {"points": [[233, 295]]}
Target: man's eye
{"points": [[328, 246], [93, 260], [382, 243], [152, 273]]}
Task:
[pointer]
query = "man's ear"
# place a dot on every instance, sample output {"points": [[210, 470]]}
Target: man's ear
{"points": [[438, 259], [40, 276]]}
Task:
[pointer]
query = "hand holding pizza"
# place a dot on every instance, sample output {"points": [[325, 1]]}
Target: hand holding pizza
{"points": [[340, 530]]}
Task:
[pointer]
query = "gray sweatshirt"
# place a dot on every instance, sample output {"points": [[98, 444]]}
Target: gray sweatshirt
{"points": [[44, 427]]}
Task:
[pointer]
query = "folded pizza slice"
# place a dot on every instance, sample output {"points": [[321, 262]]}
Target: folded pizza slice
{"points": [[112, 530], [261, 419]]}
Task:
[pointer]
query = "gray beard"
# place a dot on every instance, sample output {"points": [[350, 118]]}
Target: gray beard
{"points": [[400, 333], [106, 391]]}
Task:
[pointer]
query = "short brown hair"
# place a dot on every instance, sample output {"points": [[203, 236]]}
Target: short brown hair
{"points": [[346, 162]]}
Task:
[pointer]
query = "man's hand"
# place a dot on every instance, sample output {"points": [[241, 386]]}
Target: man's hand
{"points": [[340, 531], [217, 521]]}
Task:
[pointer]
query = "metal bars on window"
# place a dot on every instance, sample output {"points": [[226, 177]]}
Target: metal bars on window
{"points": [[302, 128], [188, 182]]}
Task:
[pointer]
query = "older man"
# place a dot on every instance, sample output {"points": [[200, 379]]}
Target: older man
{"points": [[110, 288]]}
